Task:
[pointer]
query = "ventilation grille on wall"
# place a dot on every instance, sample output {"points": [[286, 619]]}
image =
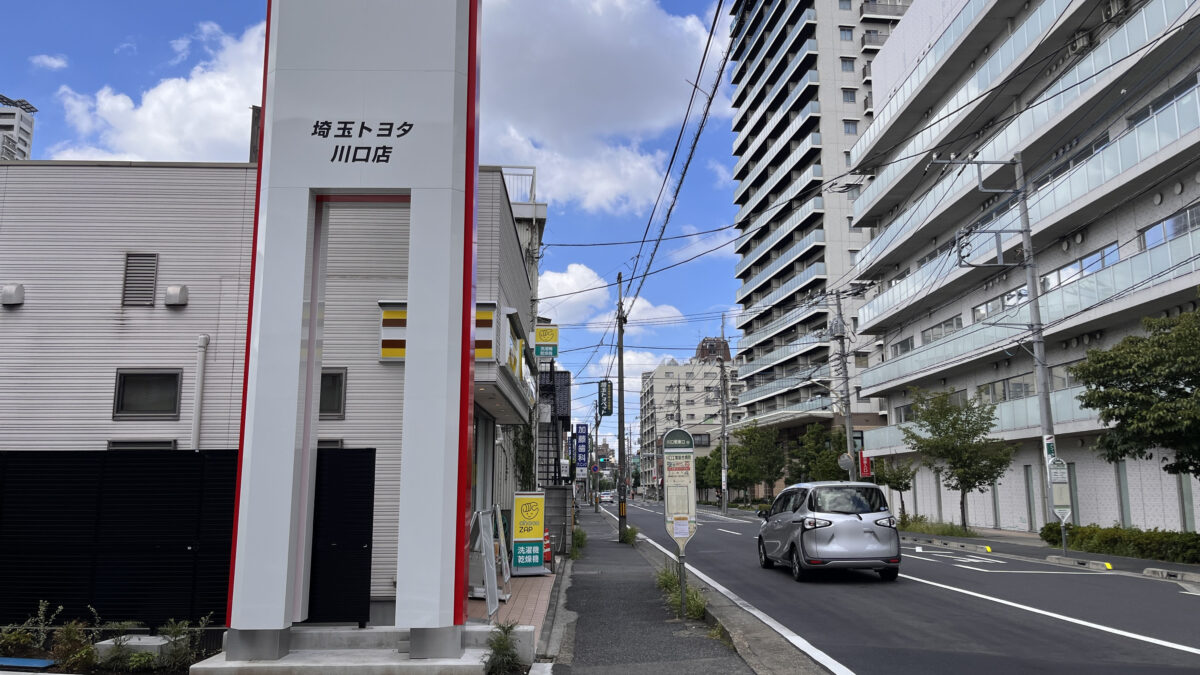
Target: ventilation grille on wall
{"points": [[141, 273]]}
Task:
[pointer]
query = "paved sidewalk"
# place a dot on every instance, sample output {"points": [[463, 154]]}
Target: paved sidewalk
{"points": [[622, 623]]}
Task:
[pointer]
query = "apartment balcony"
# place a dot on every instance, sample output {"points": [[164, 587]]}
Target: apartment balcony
{"points": [[783, 384], [818, 406], [795, 284], [761, 200], [746, 66], [871, 42], [1159, 265], [743, 119], [1021, 418], [789, 319], [778, 143], [746, 191], [813, 206], [866, 73], [882, 11], [778, 355], [788, 257], [869, 105]]}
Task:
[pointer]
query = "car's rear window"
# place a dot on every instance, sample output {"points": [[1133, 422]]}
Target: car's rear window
{"points": [[848, 499]]}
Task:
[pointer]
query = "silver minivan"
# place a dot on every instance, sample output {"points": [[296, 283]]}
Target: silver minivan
{"points": [[830, 524]]}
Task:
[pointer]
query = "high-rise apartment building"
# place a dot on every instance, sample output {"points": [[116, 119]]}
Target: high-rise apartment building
{"points": [[1092, 110], [16, 128], [687, 395], [799, 97]]}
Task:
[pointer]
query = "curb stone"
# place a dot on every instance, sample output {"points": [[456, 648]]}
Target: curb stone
{"points": [[977, 548], [1076, 562], [1171, 574]]}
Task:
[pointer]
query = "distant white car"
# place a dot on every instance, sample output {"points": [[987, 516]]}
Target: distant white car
{"points": [[606, 497]]}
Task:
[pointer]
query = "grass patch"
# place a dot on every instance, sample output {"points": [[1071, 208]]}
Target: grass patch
{"points": [[921, 525], [578, 541], [667, 580], [630, 535]]}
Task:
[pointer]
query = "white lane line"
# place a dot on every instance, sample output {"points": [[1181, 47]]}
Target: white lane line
{"points": [[798, 642], [729, 531], [723, 517], [909, 555], [1060, 617], [980, 569]]}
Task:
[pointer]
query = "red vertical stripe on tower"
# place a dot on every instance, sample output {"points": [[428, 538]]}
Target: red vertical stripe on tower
{"points": [[466, 436], [237, 489]]}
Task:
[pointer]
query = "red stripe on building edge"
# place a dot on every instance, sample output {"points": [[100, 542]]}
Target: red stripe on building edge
{"points": [[466, 390], [237, 489]]}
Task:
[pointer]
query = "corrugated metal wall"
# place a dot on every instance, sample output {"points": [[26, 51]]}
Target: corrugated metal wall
{"points": [[368, 262], [64, 233]]}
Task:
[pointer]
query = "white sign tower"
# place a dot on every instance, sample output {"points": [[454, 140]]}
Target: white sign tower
{"points": [[373, 102]]}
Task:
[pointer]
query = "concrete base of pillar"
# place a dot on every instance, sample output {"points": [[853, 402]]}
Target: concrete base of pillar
{"points": [[445, 642], [257, 645]]}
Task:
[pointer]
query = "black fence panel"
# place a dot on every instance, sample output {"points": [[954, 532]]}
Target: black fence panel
{"points": [[144, 535]]}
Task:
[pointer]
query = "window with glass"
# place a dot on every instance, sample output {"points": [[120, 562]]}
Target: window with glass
{"points": [[844, 4], [999, 304], [847, 65], [701, 440], [333, 393], [1081, 267], [1009, 389], [147, 394], [902, 347], [941, 330], [850, 127], [846, 33], [903, 413], [1061, 377], [849, 96], [1175, 226]]}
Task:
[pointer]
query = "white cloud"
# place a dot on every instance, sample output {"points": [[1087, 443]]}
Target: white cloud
{"points": [[636, 363], [49, 62], [579, 90], [127, 46], [204, 116], [207, 33], [575, 306], [723, 175], [643, 316], [711, 246]]}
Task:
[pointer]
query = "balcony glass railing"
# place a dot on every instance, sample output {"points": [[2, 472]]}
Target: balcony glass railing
{"points": [[1010, 416], [782, 384], [741, 68], [789, 319], [782, 353], [1143, 270], [813, 107], [786, 258], [810, 78], [1135, 33], [790, 286], [955, 106], [966, 16], [745, 188], [812, 404], [757, 200], [808, 16], [814, 205], [873, 40], [887, 9], [794, 62]]}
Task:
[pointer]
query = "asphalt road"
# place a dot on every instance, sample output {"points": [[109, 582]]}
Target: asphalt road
{"points": [[954, 612]]}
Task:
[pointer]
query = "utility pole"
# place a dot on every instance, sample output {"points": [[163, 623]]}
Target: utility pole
{"points": [[839, 332], [1040, 367], [724, 424], [594, 478], [620, 411]]}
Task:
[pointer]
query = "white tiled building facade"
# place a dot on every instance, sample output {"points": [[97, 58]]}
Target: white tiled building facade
{"points": [[16, 128], [1101, 102]]}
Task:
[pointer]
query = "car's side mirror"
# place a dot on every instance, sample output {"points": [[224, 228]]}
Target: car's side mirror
{"points": [[761, 514]]}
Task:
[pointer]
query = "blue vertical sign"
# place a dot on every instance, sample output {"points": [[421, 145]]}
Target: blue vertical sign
{"points": [[581, 446]]}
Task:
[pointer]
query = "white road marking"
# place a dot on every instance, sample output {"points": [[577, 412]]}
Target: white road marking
{"points": [[729, 531], [922, 558], [969, 558], [920, 549], [1060, 617], [980, 569], [798, 642]]}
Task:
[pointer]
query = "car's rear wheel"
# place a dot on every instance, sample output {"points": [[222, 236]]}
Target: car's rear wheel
{"points": [[798, 572], [889, 573], [763, 561]]}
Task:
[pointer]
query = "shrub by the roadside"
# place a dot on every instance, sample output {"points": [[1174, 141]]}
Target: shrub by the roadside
{"points": [[1155, 544], [630, 535], [921, 525]]}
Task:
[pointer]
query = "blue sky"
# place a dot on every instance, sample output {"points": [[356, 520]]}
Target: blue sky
{"points": [[592, 92]]}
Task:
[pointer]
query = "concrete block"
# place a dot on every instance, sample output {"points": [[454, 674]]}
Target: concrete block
{"points": [[1077, 562], [475, 636], [153, 644], [1172, 574]]}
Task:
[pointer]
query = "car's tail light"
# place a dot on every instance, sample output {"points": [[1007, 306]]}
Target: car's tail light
{"points": [[811, 523], [886, 522], [893, 560], [816, 562]]}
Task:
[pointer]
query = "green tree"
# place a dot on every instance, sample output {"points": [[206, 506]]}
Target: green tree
{"points": [[896, 474], [815, 455], [954, 439], [1147, 392], [763, 454], [702, 474], [637, 478], [741, 470]]}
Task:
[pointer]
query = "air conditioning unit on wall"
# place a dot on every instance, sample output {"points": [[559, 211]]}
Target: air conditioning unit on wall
{"points": [[1112, 9]]}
